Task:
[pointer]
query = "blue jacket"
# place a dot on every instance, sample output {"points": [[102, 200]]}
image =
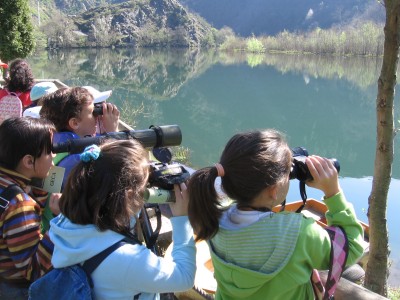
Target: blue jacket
{"points": [[131, 269], [70, 160]]}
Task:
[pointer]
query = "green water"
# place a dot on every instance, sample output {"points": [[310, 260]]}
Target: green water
{"points": [[324, 104]]}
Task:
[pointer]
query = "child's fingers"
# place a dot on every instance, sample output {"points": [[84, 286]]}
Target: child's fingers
{"points": [[180, 191], [324, 175], [313, 166], [323, 166], [110, 108], [179, 208]]}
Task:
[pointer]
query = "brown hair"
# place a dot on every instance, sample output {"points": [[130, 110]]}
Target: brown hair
{"points": [[21, 78], [252, 161], [64, 104], [21, 136], [96, 191]]}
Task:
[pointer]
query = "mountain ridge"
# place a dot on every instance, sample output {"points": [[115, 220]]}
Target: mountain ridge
{"points": [[259, 17]]}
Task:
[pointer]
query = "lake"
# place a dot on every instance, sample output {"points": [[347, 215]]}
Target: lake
{"points": [[325, 104]]}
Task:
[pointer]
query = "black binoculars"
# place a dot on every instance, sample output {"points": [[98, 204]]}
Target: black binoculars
{"points": [[299, 169], [98, 110]]}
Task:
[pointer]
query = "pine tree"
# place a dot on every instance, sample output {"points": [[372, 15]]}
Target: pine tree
{"points": [[16, 30]]}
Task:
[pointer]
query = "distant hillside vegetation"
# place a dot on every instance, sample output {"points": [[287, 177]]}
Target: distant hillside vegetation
{"points": [[261, 17]]}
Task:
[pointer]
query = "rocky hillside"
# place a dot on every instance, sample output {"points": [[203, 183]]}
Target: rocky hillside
{"points": [[142, 23]]}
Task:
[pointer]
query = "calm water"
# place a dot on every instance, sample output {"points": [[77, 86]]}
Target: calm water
{"points": [[324, 104]]}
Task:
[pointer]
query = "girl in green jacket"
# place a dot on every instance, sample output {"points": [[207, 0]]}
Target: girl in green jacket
{"points": [[256, 253]]}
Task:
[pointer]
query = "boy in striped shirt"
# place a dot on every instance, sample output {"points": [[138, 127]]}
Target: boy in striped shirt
{"points": [[25, 253]]}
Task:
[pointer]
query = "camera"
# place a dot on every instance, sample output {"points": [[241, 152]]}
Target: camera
{"points": [[160, 186], [98, 110], [163, 175], [299, 168]]}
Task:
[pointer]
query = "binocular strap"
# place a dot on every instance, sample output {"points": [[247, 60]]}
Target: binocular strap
{"points": [[303, 194]]}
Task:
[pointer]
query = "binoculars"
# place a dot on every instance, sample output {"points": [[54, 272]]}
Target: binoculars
{"points": [[299, 169]]}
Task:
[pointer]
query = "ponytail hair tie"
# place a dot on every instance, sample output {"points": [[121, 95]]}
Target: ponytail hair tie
{"points": [[90, 153], [220, 169]]}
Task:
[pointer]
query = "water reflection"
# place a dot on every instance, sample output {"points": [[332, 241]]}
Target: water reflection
{"points": [[159, 74], [361, 71], [156, 75]]}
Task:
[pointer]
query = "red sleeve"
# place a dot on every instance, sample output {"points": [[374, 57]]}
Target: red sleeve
{"points": [[26, 99], [3, 92]]}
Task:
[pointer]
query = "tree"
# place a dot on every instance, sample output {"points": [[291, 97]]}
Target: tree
{"points": [[16, 30], [61, 32], [377, 267]]}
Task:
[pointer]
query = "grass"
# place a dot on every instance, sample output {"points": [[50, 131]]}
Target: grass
{"points": [[394, 293]]}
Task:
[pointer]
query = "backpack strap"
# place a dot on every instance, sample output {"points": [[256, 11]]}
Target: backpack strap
{"points": [[339, 253], [92, 263], [14, 94], [337, 263], [7, 194]]}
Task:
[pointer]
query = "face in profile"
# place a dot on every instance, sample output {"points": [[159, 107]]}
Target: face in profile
{"points": [[86, 123], [43, 164]]}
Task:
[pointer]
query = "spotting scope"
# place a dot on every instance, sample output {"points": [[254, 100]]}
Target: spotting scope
{"points": [[155, 136]]}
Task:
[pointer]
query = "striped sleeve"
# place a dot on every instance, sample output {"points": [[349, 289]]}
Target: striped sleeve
{"points": [[25, 252]]}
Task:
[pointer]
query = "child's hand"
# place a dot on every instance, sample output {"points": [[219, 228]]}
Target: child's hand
{"points": [[110, 117], [180, 207], [54, 203], [325, 175]]}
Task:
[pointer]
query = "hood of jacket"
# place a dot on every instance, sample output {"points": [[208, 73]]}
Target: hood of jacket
{"points": [[239, 282], [74, 243]]}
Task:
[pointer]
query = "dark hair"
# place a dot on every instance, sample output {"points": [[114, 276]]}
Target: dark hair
{"points": [[24, 136], [21, 78], [96, 191], [252, 161], [64, 104]]}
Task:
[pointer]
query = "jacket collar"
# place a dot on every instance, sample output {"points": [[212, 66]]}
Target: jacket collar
{"points": [[20, 179]]}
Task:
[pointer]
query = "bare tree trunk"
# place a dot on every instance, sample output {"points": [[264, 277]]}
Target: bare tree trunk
{"points": [[377, 267]]}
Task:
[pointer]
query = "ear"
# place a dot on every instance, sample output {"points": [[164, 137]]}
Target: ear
{"points": [[73, 124], [28, 162], [272, 192]]}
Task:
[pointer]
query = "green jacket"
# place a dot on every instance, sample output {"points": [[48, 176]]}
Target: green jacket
{"points": [[274, 257]]}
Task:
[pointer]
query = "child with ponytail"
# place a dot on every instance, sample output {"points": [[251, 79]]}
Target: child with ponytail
{"points": [[256, 253]]}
